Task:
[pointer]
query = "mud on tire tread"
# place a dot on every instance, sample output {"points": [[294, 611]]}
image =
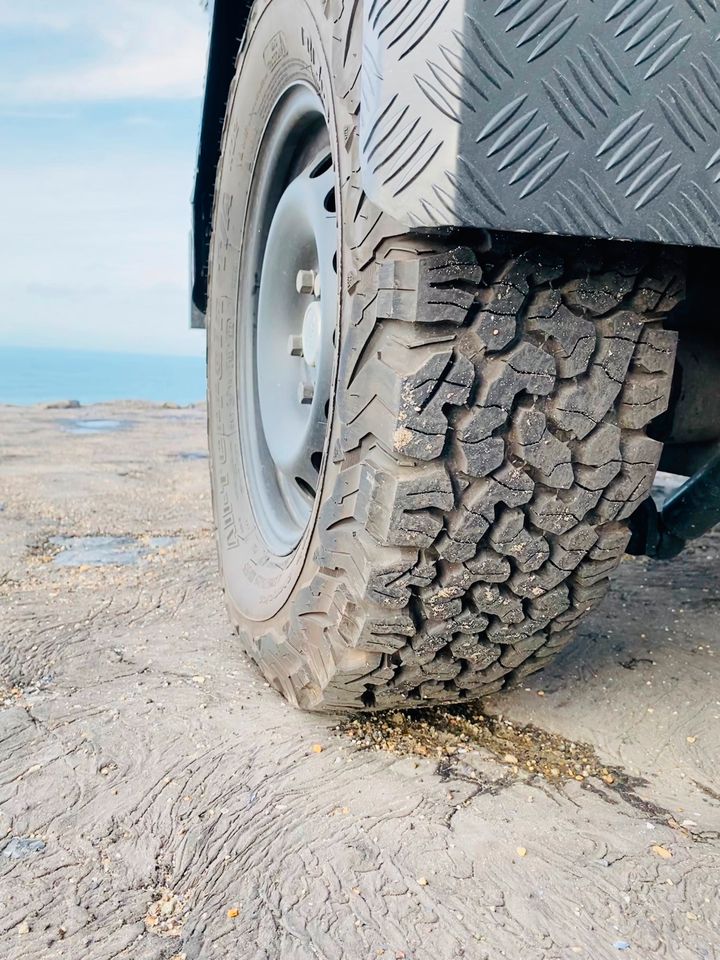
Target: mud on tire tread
{"points": [[492, 398]]}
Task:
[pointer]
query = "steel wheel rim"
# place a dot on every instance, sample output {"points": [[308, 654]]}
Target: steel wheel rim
{"points": [[288, 312]]}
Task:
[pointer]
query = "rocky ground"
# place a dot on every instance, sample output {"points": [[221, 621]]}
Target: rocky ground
{"points": [[158, 800]]}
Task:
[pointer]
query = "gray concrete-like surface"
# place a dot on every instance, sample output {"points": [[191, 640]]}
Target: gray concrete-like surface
{"points": [[158, 800]]}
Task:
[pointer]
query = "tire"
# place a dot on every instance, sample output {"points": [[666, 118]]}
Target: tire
{"points": [[486, 439]]}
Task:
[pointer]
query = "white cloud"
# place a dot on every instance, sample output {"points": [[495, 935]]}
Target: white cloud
{"points": [[143, 49], [33, 14], [96, 255], [96, 214]]}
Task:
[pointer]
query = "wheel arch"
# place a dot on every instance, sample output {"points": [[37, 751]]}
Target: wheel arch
{"points": [[228, 22], [578, 136]]}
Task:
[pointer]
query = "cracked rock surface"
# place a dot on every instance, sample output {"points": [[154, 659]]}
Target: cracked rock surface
{"points": [[168, 804]]}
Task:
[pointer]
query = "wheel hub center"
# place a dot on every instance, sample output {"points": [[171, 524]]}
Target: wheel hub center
{"points": [[312, 334]]}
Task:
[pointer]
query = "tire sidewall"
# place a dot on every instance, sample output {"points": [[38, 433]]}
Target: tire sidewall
{"points": [[285, 45]]}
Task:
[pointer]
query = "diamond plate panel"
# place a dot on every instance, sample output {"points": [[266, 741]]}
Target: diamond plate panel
{"points": [[580, 117]]}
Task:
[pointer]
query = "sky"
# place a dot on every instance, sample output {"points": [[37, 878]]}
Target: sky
{"points": [[100, 105]]}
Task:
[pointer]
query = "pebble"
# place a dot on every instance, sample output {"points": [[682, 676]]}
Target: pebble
{"points": [[661, 851], [64, 405], [165, 914]]}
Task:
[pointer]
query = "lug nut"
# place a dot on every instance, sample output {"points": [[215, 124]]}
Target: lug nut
{"points": [[295, 346], [306, 392], [305, 282]]}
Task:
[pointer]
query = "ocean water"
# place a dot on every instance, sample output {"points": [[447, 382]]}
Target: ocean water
{"points": [[29, 375]]}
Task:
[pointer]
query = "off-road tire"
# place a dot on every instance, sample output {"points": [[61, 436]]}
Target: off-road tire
{"points": [[488, 441]]}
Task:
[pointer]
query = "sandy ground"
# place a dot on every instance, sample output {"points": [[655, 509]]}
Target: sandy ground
{"points": [[158, 800]]}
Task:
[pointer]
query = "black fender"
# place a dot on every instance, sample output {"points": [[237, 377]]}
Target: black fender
{"points": [[598, 119], [229, 19], [592, 119]]}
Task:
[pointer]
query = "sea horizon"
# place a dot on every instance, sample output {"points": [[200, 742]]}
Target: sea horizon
{"points": [[44, 375]]}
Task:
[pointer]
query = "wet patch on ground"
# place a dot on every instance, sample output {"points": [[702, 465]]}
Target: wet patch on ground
{"points": [[96, 426], [18, 848], [105, 551]]}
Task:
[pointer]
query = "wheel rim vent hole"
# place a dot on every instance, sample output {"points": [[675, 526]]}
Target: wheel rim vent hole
{"points": [[323, 166]]}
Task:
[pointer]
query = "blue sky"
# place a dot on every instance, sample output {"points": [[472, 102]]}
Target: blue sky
{"points": [[99, 110]]}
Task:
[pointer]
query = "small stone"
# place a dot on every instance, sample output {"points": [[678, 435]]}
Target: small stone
{"points": [[24, 927], [64, 405], [318, 748], [621, 945], [521, 852], [661, 851], [691, 739], [233, 912], [164, 916], [422, 881]]}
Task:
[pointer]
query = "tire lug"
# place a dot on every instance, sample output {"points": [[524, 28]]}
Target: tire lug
{"points": [[295, 346], [306, 393], [305, 282]]}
